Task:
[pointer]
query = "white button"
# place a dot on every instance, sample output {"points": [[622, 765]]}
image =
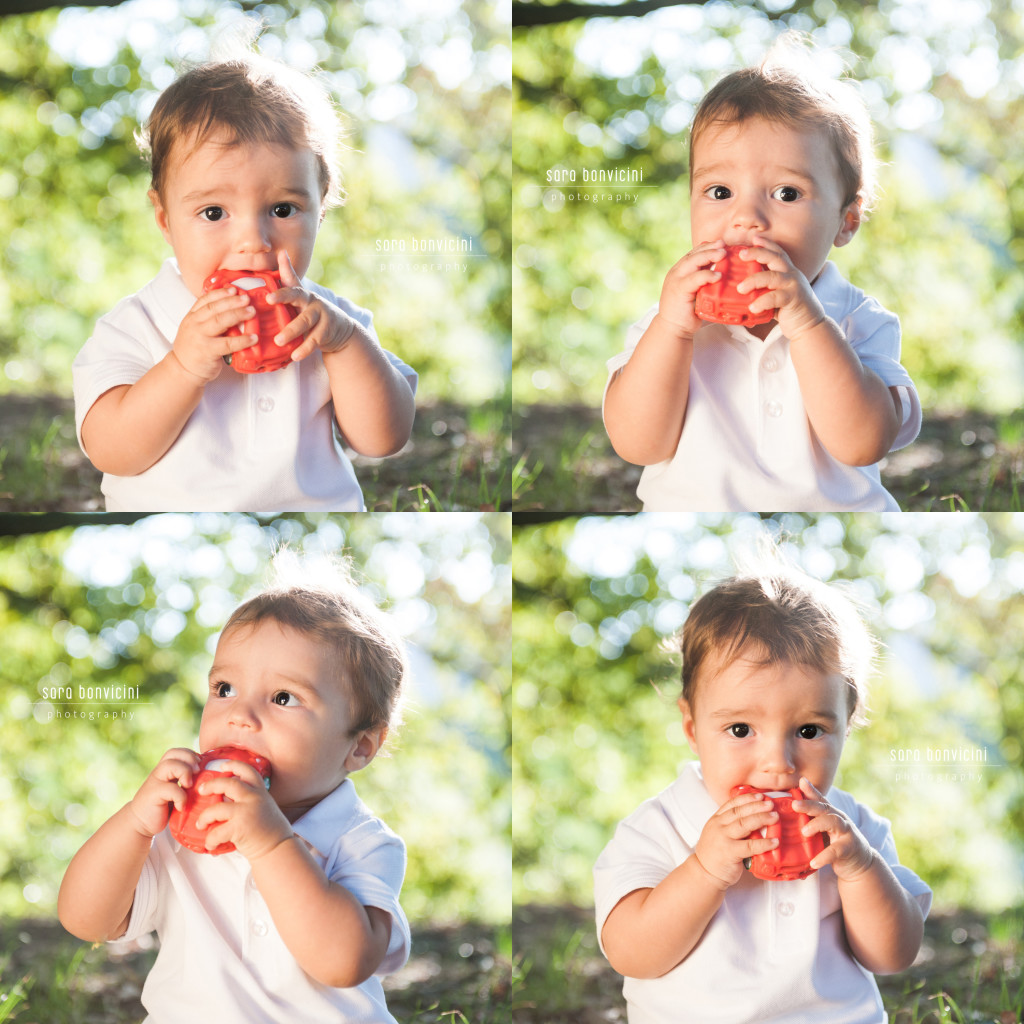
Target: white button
{"points": [[265, 403], [259, 928], [770, 365], [786, 908], [774, 409]]}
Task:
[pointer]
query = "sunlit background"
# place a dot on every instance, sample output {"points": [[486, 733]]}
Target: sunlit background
{"points": [[943, 83], [593, 710], [141, 605], [424, 91]]}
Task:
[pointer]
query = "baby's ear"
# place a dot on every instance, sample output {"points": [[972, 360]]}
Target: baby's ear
{"points": [[160, 212], [368, 742], [852, 216]]}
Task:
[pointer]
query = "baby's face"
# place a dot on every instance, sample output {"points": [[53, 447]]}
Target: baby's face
{"points": [[237, 206], [762, 178], [276, 692], [766, 725]]}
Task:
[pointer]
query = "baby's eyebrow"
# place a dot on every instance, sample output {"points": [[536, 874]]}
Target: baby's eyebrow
{"points": [[740, 714], [793, 172], [710, 171], [723, 169], [220, 672], [205, 194], [737, 713]]}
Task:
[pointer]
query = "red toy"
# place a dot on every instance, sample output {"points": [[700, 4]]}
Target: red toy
{"points": [[791, 859], [212, 765], [268, 321], [719, 301]]}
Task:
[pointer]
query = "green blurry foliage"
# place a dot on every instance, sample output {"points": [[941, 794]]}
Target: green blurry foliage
{"points": [[424, 160], [593, 707], [942, 249], [141, 606]]}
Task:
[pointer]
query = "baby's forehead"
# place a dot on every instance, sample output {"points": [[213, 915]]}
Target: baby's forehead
{"points": [[731, 141], [219, 139], [750, 678]]}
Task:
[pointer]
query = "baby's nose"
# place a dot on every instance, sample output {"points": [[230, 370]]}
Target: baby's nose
{"points": [[750, 217], [253, 237]]}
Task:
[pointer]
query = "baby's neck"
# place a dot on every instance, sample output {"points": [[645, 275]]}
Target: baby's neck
{"points": [[763, 330]]}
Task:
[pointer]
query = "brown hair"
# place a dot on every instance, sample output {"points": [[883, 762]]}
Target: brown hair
{"points": [[778, 616], [250, 99], [786, 89], [370, 658]]}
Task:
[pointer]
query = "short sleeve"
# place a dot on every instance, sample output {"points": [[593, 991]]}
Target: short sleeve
{"points": [[370, 863], [143, 917], [645, 849], [364, 318], [110, 358], [633, 335], [878, 832], [874, 334]]}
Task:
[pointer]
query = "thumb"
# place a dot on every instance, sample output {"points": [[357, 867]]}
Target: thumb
{"points": [[288, 276]]}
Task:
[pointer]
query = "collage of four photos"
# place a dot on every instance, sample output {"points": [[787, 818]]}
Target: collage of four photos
{"points": [[509, 512]]}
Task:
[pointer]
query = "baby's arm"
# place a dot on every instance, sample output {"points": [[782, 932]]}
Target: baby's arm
{"points": [[650, 931], [645, 403], [130, 427], [333, 937], [96, 895], [854, 414], [373, 402], [884, 924]]}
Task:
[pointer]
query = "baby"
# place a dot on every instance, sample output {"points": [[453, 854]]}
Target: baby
{"points": [[242, 154], [774, 671], [794, 414], [301, 920]]}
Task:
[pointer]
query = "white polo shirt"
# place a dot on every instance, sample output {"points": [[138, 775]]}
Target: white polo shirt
{"points": [[746, 444], [221, 958], [257, 442], [774, 953]]}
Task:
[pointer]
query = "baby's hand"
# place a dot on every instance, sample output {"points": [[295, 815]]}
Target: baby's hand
{"points": [[848, 851], [683, 281], [200, 345], [789, 291], [724, 842], [248, 816], [151, 805], [325, 326]]}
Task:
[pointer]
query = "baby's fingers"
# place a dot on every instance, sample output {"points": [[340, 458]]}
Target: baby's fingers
{"points": [[306, 348], [758, 845], [285, 268], [176, 765]]}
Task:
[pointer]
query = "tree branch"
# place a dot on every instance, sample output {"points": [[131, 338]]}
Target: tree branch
{"points": [[551, 14], [29, 6]]}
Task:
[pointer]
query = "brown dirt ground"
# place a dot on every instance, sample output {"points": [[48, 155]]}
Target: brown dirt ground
{"points": [[961, 461]]}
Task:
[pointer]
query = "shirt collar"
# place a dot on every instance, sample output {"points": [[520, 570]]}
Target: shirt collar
{"points": [[321, 825], [171, 299], [694, 804]]}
